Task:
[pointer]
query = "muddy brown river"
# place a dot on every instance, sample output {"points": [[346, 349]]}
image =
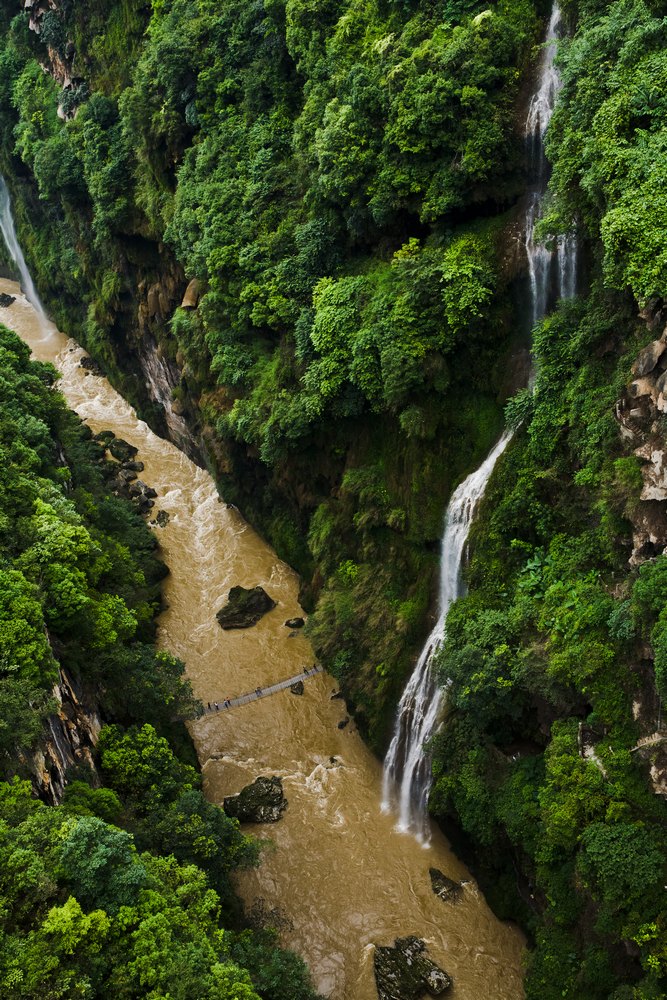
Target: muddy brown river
{"points": [[342, 878]]}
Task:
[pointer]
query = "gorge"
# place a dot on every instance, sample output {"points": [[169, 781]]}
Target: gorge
{"points": [[308, 249]]}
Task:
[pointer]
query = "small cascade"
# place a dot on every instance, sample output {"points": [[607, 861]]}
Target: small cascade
{"points": [[8, 230], [552, 273]]}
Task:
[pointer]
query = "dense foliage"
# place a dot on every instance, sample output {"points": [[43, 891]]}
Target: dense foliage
{"points": [[551, 684], [122, 890], [342, 181], [334, 176]]}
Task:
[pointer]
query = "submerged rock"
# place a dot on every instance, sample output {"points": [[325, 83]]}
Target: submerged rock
{"points": [[121, 450], [244, 607], [295, 622], [261, 802], [445, 887], [90, 365], [342, 724], [6, 300], [297, 687], [405, 973]]}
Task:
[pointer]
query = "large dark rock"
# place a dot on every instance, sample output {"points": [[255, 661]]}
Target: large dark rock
{"points": [[445, 887], [140, 488], [405, 973], [244, 607], [6, 300], [121, 450], [261, 802], [295, 622], [297, 687]]}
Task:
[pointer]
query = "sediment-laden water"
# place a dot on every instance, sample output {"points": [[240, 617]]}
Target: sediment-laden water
{"points": [[342, 877]]}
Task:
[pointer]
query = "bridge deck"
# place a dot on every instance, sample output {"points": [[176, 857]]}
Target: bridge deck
{"points": [[226, 704]]}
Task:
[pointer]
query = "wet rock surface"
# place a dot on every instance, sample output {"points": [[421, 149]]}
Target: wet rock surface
{"points": [[295, 622], [297, 687], [445, 887], [261, 802], [6, 300], [404, 972], [121, 450], [244, 607]]}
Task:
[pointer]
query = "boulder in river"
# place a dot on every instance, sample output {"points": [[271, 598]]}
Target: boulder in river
{"points": [[162, 519], [445, 887], [244, 607], [134, 466], [121, 450], [295, 622], [6, 300], [104, 436], [297, 687], [261, 802], [343, 723], [405, 973]]}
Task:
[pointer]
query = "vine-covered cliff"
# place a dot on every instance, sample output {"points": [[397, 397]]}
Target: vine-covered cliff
{"points": [[338, 187]]}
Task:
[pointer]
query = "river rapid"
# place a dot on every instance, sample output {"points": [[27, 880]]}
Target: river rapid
{"points": [[339, 873]]}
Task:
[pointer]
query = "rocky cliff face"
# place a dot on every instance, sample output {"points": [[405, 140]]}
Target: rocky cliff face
{"points": [[642, 417], [70, 737]]}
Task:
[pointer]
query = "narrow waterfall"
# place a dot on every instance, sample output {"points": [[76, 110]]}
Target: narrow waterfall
{"points": [[8, 230], [420, 706], [552, 274]]}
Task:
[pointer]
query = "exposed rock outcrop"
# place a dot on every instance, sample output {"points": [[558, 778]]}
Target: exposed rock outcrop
{"points": [[639, 413], [261, 802], [244, 607], [6, 300], [192, 294], [405, 973], [295, 623], [70, 737]]}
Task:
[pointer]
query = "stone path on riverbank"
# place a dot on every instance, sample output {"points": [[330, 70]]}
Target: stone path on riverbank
{"points": [[228, 703]]}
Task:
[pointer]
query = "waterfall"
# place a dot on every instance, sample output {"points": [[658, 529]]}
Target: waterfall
{"points": [[8, 230], [421, 704], [552, 274]]}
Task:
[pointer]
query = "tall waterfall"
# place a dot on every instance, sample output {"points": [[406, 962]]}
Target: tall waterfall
{"points": [[420, 706], [552, 274], [8, 231]]}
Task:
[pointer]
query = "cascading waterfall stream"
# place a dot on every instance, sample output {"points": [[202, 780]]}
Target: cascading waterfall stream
{"points": [[421, 704], [552, 274], [8, 230]]}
